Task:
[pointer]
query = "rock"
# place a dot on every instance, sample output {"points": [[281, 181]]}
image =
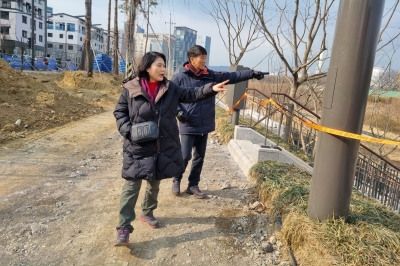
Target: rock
{"points": [[272, 240], [254, 205], [26, 126], [267, 247], [125, 263], [226, 185], [8, 128], [18, 122]]}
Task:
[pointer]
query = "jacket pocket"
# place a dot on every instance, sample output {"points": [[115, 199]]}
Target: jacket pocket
{"points": [[138, 168]]}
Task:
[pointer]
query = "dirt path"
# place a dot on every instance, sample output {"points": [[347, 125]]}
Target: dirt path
{"points": [[59, 194]]}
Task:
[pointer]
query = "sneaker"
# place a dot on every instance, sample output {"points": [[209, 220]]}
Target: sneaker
{"points": [[122, 237], [150, 220], [195, 190], [176, 187]]}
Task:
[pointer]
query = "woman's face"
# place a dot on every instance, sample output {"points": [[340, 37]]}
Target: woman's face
{"points": [[157, 70]]}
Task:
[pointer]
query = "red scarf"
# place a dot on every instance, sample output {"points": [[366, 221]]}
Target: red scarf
{"points": [[151, 88], [196, 72]]}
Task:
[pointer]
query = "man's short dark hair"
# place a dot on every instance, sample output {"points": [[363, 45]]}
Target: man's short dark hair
{"points": [[196, 50]]}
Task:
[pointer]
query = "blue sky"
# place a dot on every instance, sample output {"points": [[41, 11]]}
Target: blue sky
{"points": [[190, 13]]}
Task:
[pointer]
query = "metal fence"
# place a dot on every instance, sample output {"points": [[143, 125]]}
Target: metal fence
{"points": [[375, 176]]}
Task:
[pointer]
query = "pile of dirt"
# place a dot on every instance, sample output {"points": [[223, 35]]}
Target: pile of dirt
{"points": [[31, 102]]}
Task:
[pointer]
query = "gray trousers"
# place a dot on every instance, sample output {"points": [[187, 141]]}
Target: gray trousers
{"points": [[129, 196]]}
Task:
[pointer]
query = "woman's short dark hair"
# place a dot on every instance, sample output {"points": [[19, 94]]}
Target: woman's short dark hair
{"points": [[146, 62], [195, 51]]}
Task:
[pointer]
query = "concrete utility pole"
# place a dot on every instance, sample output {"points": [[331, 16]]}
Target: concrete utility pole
{"points": [[343, 106], [33, 40], [170, 69]]}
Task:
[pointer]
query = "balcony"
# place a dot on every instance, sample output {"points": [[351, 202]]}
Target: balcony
{"points": [[5, 5], [50, 26]]}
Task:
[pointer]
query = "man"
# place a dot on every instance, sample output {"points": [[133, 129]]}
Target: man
{"points": [[200, 116]]}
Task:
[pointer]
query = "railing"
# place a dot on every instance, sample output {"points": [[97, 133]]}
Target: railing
{"points": [[375, 176]]}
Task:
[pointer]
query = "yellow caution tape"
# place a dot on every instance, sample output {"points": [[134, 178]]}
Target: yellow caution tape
{"points": [[237, 103], [322, 128]]}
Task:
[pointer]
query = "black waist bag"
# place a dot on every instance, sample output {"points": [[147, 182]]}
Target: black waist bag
{"points": [[145, 131]]}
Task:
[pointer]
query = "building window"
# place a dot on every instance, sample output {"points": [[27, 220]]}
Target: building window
{"points": [[70, 37], [40, 25], [40, 38], [61, 46], [5, 15], [70, 47], [61, 36], [81, 38], [5, 30], [24, 34], [49, 45], [70, 26], [49, 34], [24, 20]]}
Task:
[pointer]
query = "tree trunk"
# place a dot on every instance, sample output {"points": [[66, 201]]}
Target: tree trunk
{"points": [[289, 117], [83, 57], [148, 22], [108, 28], [88, 38], [115, 51]]}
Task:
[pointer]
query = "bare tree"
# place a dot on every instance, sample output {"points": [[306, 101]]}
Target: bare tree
{"points": [[131, 15], [235, 17], [298, 24], [108, 28], [116, 40], [87, 54], [146, 12]]}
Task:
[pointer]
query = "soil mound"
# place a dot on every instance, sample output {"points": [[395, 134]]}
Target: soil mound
{"points": [[32, 102]]}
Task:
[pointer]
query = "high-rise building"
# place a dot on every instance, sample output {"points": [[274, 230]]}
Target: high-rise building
{"points": [[49, 11], [139, 29], [157, 42], [205, 41], [184, 39], [16, 26]]}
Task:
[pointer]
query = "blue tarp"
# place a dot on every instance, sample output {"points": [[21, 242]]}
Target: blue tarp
{"points": [[122, 66], [102, 63]]}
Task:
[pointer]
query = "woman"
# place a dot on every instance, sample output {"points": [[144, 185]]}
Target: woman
{"points": [[150, 97]]}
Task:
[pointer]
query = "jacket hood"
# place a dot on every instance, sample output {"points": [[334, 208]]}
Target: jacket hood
{"points": [[134, 88]]}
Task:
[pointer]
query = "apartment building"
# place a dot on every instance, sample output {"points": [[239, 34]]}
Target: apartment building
{"points": [[16, 26], [65, 36]]}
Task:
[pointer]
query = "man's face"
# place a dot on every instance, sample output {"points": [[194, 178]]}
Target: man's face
{"points": [[199, 62]]}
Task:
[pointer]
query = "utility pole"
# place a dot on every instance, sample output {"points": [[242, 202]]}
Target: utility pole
{"points": [[33, 40], [343, 107], [169, 48]]}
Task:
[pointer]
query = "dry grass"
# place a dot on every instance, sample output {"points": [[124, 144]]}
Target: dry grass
{"points": [[225, 130], [369, 236]]}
